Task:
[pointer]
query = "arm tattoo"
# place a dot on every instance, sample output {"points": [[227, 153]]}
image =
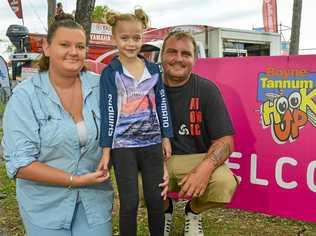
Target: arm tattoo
{"points": [[218, 152]]}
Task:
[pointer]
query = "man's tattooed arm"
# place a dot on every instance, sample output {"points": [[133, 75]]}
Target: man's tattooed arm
{"points": [[220, 150]]}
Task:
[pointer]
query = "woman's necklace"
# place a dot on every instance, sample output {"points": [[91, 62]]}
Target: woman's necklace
{"points": [[67, 106], [70, 111]]}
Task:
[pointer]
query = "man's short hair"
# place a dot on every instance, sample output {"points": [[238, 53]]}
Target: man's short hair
{"points": [[180, 35]]}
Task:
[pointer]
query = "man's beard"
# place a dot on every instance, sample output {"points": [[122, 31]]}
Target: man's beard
{"points": [[173, 80]]}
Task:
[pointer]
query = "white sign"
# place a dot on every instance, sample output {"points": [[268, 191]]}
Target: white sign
{"points": [[97, 28], [100, 33]]}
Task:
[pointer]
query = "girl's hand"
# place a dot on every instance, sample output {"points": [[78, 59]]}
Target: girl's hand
{"points": [[166, 148], [165, 182], [103, 164]]}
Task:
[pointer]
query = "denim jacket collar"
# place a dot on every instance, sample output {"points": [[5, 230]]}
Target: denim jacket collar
{"points": [[44, 84]]}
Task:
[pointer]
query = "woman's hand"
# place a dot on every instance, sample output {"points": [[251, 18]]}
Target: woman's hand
{"points": [[96, 177]]}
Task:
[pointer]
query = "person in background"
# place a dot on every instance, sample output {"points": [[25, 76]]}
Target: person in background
{"points": [[202, 136], [59, 9], [135, 124], [51, 142]]}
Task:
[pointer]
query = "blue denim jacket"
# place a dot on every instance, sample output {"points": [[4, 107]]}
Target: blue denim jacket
{"points": [[37, 128]]}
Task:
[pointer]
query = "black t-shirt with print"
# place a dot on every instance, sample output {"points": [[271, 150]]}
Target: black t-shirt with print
{"points": [[199, 115]]}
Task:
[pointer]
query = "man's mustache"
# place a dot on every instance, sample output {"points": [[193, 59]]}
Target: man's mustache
{"points": [[178, 63]]}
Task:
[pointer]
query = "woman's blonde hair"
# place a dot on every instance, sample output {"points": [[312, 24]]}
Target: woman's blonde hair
{"points": [[139, 15]]}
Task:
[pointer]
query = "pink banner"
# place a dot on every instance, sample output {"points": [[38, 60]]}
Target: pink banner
{"points": [[272, 102]]}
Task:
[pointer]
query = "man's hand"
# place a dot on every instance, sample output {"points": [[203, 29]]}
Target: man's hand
{"points": [[166, 148], [195, 183]]}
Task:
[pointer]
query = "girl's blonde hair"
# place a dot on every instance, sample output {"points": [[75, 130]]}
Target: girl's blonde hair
{"points": [[139, 15]]}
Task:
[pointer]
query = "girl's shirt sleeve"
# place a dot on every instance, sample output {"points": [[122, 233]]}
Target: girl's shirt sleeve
{"points": [[163, 109], [108, 111]]}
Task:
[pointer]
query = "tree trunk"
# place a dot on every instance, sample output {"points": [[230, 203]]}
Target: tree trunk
{"points": [[51, 11], [84, 9], [296, 25]]}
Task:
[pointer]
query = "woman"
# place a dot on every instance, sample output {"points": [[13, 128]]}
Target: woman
{"points": [[51, 133]]}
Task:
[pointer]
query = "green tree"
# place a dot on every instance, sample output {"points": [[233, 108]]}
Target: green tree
{"points": [[98, 14]]}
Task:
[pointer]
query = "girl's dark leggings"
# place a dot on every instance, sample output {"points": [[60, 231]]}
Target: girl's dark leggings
{"points": [[127, 163]]}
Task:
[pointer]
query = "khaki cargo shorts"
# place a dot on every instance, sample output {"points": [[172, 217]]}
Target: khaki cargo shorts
{"points": [[221, 186]]}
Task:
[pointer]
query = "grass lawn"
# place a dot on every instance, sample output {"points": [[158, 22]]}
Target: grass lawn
{"points": [[216, 222]]}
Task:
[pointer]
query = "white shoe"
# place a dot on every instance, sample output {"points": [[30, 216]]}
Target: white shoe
{"points": [[168, 222], [193, 225]]}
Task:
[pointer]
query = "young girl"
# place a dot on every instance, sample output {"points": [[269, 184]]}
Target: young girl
{"points": [[134, 122]]}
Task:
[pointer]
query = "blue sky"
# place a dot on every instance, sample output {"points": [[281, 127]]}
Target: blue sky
{"points": [[241, 14]]}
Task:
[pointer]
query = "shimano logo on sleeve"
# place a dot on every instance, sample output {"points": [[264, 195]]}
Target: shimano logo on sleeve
{"points": [[164, 110], [111, 115]]}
